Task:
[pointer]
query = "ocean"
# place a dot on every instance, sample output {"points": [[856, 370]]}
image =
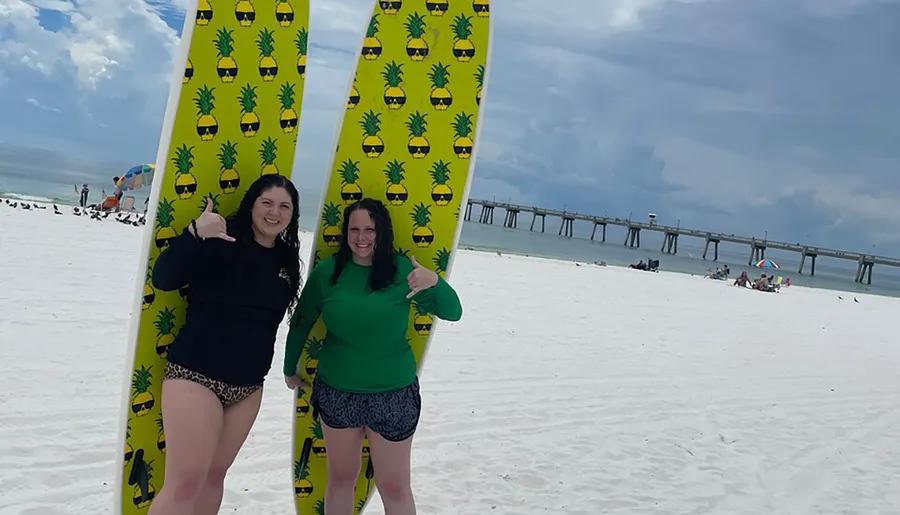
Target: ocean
{"points": [[830, 273]]}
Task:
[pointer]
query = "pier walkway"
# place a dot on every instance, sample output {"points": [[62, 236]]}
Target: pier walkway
{"points": [[758, 246]]}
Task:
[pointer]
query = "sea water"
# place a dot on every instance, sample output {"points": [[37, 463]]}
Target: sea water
{"points": [[830, 273]]}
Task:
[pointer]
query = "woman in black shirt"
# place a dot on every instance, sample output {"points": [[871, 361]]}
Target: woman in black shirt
{"points": [[244, 273]]}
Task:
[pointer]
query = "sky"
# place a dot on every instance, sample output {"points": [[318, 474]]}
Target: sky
{"points": [[773, 116]]}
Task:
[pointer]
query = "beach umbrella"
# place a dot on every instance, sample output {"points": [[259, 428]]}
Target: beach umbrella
{"points": [[136, 177], [767, 263]]}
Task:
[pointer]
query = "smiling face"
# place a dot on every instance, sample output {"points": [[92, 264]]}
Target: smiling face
{"points": [[272, 212], [361, 236]]}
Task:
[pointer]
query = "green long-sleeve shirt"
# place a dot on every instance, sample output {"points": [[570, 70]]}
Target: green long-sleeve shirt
{"points": [[365, 348]]}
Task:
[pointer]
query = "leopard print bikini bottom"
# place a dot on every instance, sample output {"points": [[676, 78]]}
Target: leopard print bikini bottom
{"points": [[228, 395]]}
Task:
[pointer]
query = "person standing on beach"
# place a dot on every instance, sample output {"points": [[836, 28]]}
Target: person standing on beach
{"points": [[244, 274], [82, 195], [366, 383]]}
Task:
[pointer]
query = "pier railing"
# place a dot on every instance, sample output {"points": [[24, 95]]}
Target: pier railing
{"points": [[758, 246]]}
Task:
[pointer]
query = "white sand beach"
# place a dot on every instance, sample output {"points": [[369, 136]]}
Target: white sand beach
{"points": [[564, 389]]}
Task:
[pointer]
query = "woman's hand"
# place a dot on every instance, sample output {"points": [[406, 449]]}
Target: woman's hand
{"points": [[211, 225], [420, 278], [294, 382]]}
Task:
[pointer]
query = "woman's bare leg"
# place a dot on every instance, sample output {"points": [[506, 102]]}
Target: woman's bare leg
{"points": [[237, 421], [343, 452], [391, 461], [192, 421]]}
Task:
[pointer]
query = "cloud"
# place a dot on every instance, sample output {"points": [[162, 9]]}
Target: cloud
{"points": [[745, 117]]}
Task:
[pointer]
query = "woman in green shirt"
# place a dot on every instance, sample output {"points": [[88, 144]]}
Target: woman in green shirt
{"points": [[366, 383]]}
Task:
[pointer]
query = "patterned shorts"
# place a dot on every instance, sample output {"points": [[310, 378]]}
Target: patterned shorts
{"points": [[228, 395], [394, 415]]}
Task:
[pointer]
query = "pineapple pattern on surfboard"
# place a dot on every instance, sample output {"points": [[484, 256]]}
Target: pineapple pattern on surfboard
{"points": [[235, 119], [408, 138]]}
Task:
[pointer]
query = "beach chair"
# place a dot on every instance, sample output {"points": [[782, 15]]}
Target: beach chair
{"points": [[127, 204]]}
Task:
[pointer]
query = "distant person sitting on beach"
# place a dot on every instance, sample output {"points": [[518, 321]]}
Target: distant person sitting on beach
{"points": [[742, 280], [244, 274], [762, 283], [366, 383]]}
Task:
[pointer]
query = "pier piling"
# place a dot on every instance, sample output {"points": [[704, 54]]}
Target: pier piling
{"points": [[633, 237], [534, 217], [757, 251], [594, 231], [670, 243], [487, 214], [864, 270], [512, 218], [715, 242], [567, 225], [812, 255]]}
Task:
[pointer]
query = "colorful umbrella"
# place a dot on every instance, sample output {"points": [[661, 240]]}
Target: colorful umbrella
{"points": [[767, 263], [136, 177]]}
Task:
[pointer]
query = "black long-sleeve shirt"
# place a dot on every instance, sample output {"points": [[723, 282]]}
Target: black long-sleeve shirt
{"points": [[238, 295]]}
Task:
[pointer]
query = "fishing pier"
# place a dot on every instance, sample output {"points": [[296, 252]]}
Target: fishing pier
{"points": [[758, 246]]}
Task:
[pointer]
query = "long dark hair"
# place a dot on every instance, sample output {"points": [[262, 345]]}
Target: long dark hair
{"points": [[384, 269], [240, 226]]}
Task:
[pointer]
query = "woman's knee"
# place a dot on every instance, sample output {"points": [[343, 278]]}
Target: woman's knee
{"points": [[215, 478], [186, 486], [344, 473], [395, 489]]}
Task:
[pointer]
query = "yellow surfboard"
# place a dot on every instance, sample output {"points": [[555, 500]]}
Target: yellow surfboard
{"points": [[408, 137], [234, 103]]}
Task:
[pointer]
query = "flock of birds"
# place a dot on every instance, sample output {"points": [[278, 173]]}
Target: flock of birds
{"points": [[127, 218]]}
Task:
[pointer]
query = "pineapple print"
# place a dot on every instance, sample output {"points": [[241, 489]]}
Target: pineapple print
{"points": [[160, 435], [441, 193], [372, 144], [302, 406], [165, 330], [479, 79], [188, 72], [142, 401], [149, 292], [129, 450], [268, 153], [360, 505], [441, 261], [318, 445], [226, 66], [441, 97], [418, 145], [416, 46], [350, 191], [422, 321], [185, 182], [331, 217], [165, 216], [138, 498], [390, 7], [394, 96], [288, 115], [303, 488], [268, 67], [422, 235], [437, 7], [249, 118], [204, 13], [320, 507], [284, 13], [462, 128], [482, 8], [371, 48], [207, 125], [244, 13], [463, 49], [396, 193], [209, 197], [313, 349], [229, 179], [302, 43], [353, 97]]}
